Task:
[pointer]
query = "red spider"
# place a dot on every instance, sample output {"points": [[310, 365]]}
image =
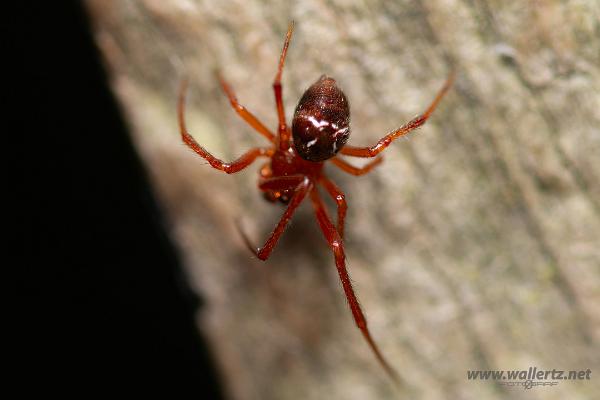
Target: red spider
{"points": [[320, 129]]}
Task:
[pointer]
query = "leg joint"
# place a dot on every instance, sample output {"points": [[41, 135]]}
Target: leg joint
{"points": [[337, 246]]}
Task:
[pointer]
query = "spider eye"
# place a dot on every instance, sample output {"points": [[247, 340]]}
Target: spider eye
{"points": [[321, 124]]}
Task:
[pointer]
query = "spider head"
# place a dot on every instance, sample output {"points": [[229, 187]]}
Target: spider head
{"points": [[321, 124]]}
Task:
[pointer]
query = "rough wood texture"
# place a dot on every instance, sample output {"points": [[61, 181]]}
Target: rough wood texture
{"points": [[474, 246]]}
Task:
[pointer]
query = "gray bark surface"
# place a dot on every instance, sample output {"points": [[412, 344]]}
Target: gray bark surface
{"points": [[473, 246]]}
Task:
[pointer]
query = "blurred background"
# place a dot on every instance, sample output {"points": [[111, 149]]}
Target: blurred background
{"points": [[101, 301], [472, 247]]}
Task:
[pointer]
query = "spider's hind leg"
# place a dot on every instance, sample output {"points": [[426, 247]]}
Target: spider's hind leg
{"points": [[228, 167], [385, 141], [243, 112], [284, 134]]}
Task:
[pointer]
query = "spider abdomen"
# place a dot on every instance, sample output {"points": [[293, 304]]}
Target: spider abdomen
{"points": [[321, 124]]}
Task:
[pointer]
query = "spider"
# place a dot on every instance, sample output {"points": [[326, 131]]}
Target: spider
{"points": [[320, 129]]}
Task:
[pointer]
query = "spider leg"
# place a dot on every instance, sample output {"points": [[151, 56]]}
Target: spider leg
{"points": [[336, 193], [403, 130], [337, 246], [280, 183], [284, 134], [243, 112], [230, 168], [356, 171]]}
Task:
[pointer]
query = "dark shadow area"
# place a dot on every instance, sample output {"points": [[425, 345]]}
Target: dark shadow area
{"points": [[102, 302]]}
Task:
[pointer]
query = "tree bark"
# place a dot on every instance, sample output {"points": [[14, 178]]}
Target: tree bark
{"points": [[473, 246]]}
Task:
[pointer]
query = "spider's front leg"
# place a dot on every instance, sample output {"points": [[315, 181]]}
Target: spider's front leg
{"points": [[230, 168], [403, 130], [340, 198], [337, 246], [301, 185]]}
